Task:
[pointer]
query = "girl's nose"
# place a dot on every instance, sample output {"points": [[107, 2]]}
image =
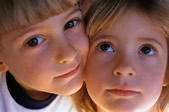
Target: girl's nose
{"points": [[124, 68]]}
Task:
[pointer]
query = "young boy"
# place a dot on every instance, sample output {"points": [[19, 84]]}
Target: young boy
{"points": [[43, 50]]}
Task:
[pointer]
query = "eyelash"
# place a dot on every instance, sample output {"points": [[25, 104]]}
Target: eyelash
{"points": [[146, 49], [152, 49], [104, 48], [38, 38], [72, 21]]}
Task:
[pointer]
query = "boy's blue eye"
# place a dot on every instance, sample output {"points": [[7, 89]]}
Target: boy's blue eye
{"points": [[70, 24], [35, 41], [147, 50], [106, 47]]}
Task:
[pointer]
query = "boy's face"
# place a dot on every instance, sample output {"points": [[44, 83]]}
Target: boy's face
{"points": [[126, 65], [48, 56]]}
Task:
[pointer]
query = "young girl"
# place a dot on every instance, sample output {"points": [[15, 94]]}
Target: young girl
{"points": [[127, 62], [43, 50]]}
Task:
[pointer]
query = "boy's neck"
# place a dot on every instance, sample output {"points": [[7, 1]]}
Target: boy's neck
{"points": [[40, 96], [23, 98], [36, 95]]}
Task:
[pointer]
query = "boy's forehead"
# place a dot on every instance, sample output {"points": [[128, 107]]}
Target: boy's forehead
{"points": [[24, 13], [74, 1], [13, 34], [16, 33]]}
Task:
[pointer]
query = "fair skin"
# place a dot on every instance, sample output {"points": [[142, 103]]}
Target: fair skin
{"points": [[47, 57], [126, 65]]}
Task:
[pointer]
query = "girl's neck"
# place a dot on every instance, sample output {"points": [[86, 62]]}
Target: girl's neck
{"points": [[155, 108]]}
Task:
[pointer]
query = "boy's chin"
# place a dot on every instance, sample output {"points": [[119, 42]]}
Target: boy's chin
{"points": [[72, 89]]}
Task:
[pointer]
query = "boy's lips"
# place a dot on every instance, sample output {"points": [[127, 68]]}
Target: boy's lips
{"points": [[71, 73]]}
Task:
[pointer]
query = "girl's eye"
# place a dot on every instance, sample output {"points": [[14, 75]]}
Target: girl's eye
{"points": [[70, 24], [35, 41], [147, 50], [106, 47]]}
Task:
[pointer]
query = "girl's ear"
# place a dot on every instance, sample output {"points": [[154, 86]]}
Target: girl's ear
{"points": [[166, 78], [84, 4], [3, 66]]}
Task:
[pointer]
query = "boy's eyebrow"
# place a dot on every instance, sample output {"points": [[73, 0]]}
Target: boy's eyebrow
{"points": [[26, 30], [73, 11]]}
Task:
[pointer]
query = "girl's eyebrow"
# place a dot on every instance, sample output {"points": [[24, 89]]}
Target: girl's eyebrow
{"points": [[101, 37], [148, 39], [106, 36]]}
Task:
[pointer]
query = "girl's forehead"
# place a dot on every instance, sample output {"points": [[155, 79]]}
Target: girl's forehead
{"points": [[131, 24], [127, 18]]}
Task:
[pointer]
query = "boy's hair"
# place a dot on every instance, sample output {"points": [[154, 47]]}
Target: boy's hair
{"points": [[103, 13], [20, 13]]}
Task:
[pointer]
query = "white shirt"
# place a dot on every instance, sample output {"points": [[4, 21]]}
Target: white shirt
{"points": [[8, 104]]}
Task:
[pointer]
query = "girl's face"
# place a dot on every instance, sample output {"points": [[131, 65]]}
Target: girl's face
{"points": [[126, 65]]}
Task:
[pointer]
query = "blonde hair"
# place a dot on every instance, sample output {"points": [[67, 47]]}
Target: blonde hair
{"points": [[20, 13], [83, 102], [103, 13]]}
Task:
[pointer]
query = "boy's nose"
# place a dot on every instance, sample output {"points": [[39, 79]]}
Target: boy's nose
{"points": [[124, 68], [66, 54]]}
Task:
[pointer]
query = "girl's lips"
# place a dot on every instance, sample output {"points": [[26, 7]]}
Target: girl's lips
{"points": [[123, 93], [71, 73]]}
